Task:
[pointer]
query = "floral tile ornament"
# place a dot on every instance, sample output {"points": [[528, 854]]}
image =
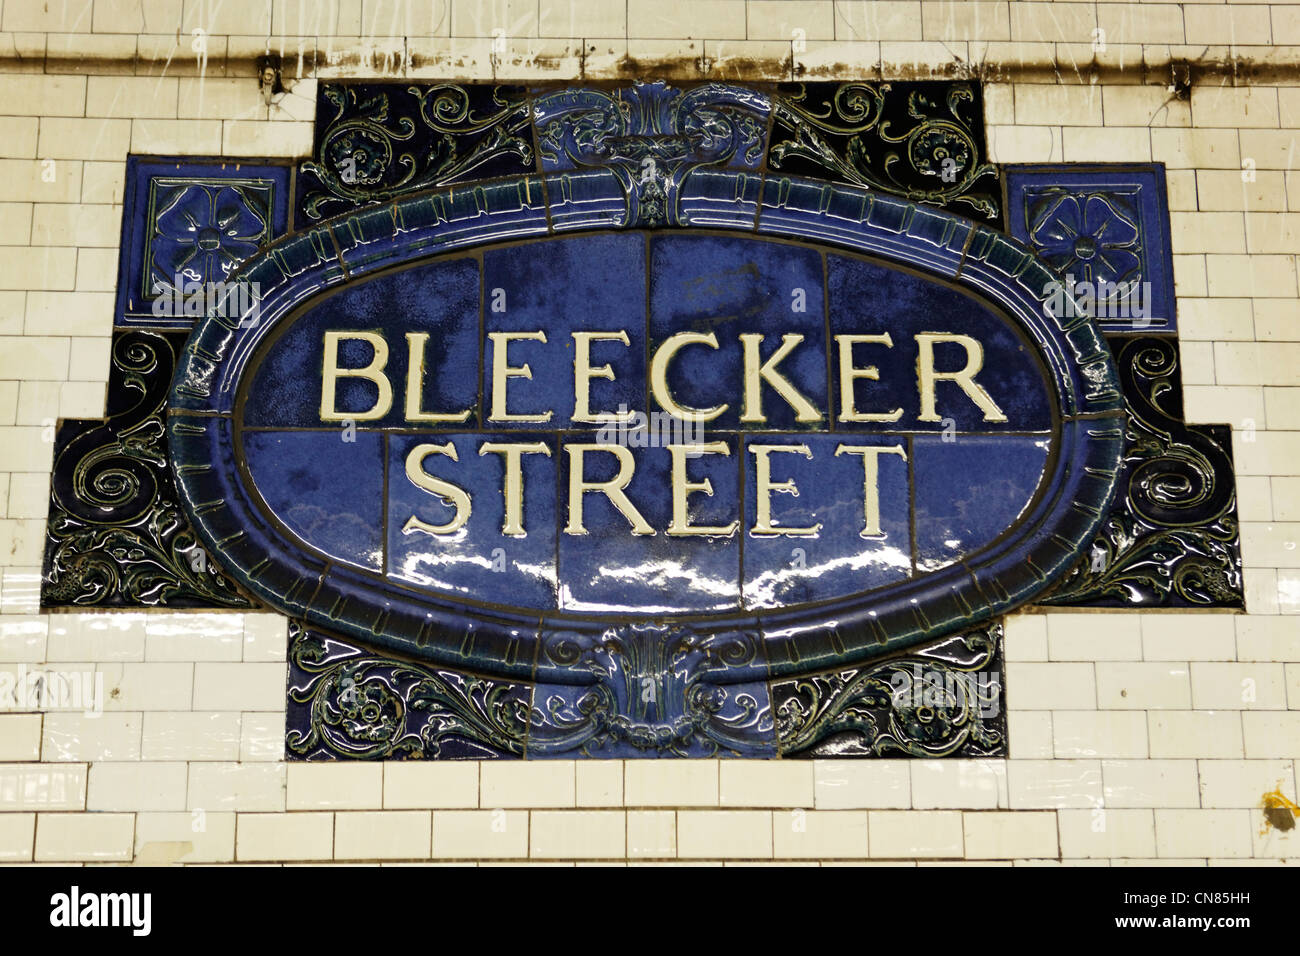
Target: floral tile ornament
{"points": [[187, 225], [1104, 229]]}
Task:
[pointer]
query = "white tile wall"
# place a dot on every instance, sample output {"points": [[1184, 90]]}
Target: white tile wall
{"points": [[1135, 737]]}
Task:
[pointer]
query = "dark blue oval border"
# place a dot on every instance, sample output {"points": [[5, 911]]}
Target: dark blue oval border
{"points": [[1041, 547]]}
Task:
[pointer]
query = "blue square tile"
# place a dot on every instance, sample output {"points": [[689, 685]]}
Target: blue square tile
{"points": [[609, 568], [477, 558], [563, 286], [1105, 230], [969, 489], [728, 287], [187, 225], [828, 498], [340, 517]]}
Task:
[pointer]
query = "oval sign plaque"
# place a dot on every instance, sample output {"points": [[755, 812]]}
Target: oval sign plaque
{"points": [[491, 429]]}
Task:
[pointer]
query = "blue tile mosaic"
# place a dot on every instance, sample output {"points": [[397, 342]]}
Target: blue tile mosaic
{"points": [[1105, 231], [186, 228], [597, 625]]}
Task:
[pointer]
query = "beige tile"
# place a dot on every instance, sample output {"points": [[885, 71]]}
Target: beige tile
{"points": [[724, 834], [237, 786], [480, 834], [42, 787], [1261, 638], [1052, 784], [202, 735], [853, 784], [1099, 733], [1029, 734], [599, 783], [84, 837], [383, 835], [419, 784], [651, 834], [901, 834], [959, 784], [1242, 784], [163, 839], [17, 833], [819, 834], [83, 737], [1002, 836], [746, 783], [1094, 637], [537, 783], [675, 783], [1191, 734], [1214, 105], [133, 785], [1143, 686], [1103, 832], [210, 637], [1230, 686], [20, 737], [1182, 637], [577, 834], [243, 686], [1067, 686], [261, 737], [284, 836], [1149, 783], [334, 786], [1203, 833], [1271, 733]]}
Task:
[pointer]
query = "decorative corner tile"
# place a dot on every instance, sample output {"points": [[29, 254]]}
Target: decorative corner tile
{"points": [[187, 225], [1105, 232]]}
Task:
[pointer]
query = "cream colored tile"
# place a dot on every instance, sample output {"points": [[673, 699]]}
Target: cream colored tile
{"points": [[599, 783], [1149, 783], [1230, 686], [1048, 784], [853, 784], [242, 686], [1143, 686], [418, 784], [819, 834], [284, 836], [1242, 784], [82, 737], [766, 783], [84, 837], [20, 737], [1191, 734], [236, 786], [202, 735], [17, 834], [1103, 832], [1228, 106], [261, 737], [1025, 637], [1066, 686], [1261, 638], [959, 784], [266, 637], [133, 785], [1203, 833], [1099, 733], [97, 637], [163, 839], [1270, 734], [901, 834], [651, 834], [537, 783], [207, 637], [1001, 836], [1029, 734], [480, 834], [1094, 637], [724, 834], [577, 834], [383, 835], [675, 783], [36, 787], [1182, 637], [334, 786], [22, 638]]}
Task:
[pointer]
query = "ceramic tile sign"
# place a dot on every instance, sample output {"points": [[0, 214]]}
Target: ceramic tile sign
{"points": [[484, 430]]}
